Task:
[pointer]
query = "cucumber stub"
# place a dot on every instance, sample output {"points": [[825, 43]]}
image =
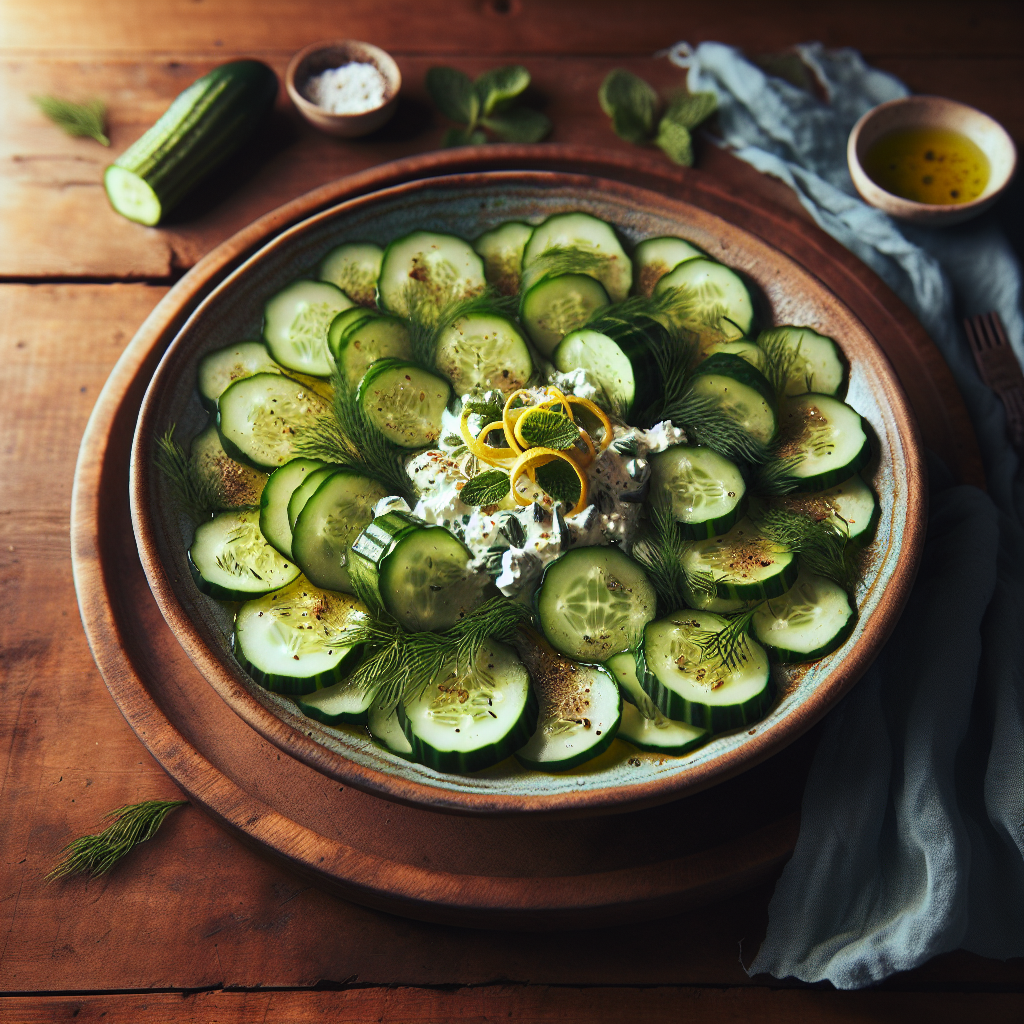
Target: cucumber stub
{"points": [[341, 703], [659, 734]]}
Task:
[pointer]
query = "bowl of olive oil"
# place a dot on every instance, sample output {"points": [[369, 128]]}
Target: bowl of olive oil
{"points": [[930, 160]]}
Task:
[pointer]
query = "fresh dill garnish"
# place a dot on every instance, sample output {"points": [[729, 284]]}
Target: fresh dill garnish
{"points": [[95, 855], [728, 645], [704, 421], [193, 493], [557, 260], [780, 357], [660, 551], [775, 477], [80, 119], [822, 546]]}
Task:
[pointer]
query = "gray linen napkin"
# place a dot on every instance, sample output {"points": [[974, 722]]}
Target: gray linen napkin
{"points": [[912, 829]]}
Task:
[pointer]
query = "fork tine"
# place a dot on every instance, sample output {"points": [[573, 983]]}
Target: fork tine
{"points": [[998, 331]]}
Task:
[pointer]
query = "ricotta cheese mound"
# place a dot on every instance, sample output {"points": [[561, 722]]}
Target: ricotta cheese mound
{"points": [[350, 89]]}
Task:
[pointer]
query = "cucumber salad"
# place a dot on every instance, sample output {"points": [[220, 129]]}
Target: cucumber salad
{"points": [[524, 495]]}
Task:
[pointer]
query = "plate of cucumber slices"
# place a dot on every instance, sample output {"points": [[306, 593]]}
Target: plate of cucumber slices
{"points": [[526, 491]]}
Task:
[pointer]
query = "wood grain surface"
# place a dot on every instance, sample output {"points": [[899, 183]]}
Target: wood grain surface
{"points": [[194, 909]]}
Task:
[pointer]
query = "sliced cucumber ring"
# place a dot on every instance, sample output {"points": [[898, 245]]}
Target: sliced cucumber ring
{"points": [[483, 351], [232, 561], [744, 349], [743, 563], [502, 251], [659, 734], [219, 370], [556, 306], [594, 602], [851, 507], [234, 483], [827, 438], [809, 621], [274, 522], [304, 491], [741, 392], [340, 703], [467, 721], [404, 402], [720, 304], [703, 692], [701, 489], [357, 345], [387, 730], [810, 361], [288, 640], [354, 268], [653, 258], [295, 325]]}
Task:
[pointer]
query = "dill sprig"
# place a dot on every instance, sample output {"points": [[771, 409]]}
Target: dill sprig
{"points": [[781, 359], [728, 645], [79, 119], [660, 550], [567, 259], [132, 824], [823, 548], [704, 421], [775, 477], [192, 492]]}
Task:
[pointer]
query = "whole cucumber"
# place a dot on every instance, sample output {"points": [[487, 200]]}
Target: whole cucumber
{"points": [[201, 128]]}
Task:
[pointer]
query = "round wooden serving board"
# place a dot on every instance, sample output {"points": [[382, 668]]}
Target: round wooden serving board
{"points": [[503, 872]]}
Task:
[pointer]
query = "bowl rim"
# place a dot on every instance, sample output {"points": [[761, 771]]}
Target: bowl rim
{"points": [[927, 102], [391, 73], [612, 798]]}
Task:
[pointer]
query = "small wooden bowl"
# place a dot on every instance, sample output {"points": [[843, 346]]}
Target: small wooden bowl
{"points": [[319, 57], [931, 112]]}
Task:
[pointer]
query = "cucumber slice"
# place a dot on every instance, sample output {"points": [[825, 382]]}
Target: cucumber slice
{"points": [[219, 370], [659, 734], [744, 349], [743, 563], [354, 268], [234, 484], [703, 692], [807, 622], [850, 507], [346, 319], [721, 304], [231, 560], [622, 667], [502, 251], [357, 345], [580, 713], [287, 640], [594, 602], [740, 391], [386, 729], [702, 601], [424, 271], [258, 416], [811, 361], [555, 306], [472, 720], [340, 703], [295, 325], [826, 436], [304, 491], [587, 234], [653, 258], [404, 402], [483, 351], [274, 522], [702, 490], [333, 516]]}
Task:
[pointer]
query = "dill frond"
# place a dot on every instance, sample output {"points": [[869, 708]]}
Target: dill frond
{"points": [[702, 418], [729, 645], [566, 259], [95, 855], [660, 550], [775, 477], [80, 119], [192, 493], [780, 357], [823, 548]]}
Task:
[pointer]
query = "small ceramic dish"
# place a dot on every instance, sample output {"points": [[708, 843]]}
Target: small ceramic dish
{"points": [[320, 57], [931, 112]]}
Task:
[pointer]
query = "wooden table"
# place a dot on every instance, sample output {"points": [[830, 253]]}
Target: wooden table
{"points": [[195, 926]]}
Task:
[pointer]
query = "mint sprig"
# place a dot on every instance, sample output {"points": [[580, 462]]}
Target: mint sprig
{"points": [[546, 428], [634, 107], [487, 105], [487, 488]]}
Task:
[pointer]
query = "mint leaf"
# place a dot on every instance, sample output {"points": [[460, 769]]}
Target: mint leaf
{"points": [[487, 488], [546, 428], [518, 124], [631, 104], [675, 140], [560, 481], [500, 84], [463, 137], [454, 95], [688, 110]]}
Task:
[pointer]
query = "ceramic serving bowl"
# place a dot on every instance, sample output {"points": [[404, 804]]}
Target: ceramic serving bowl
{"points": [[467, 205], [931, 112], [319, 57]]}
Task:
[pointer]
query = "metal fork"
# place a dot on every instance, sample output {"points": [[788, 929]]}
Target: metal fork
{"points": [[999, 370]]}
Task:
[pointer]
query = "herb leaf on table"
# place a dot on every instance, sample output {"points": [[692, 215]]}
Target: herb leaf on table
{"points": [[78, 119]]}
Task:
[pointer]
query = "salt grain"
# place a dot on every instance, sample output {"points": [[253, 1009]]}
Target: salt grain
{"points": [[351, 89]]}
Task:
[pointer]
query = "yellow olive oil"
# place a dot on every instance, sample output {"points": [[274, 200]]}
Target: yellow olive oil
{"points": [[928, 165]]}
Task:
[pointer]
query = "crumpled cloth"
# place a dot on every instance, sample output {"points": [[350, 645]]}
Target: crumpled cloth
{"points": [[912, 826]]}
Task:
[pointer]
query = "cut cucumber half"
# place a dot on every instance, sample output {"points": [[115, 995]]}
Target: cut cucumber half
{"points": [[579, 715], [357, 345], [331, 518], [702, 490], [807, 622], [295, 325], [282, 484], [232, 561], [502, 252], [807, 361], [422, 272], [470, 720], [594, 602], [659, 734], [288, 640], [825, 437], [720, 304], [703, 692], [483, 351], [341, 703], [219, 370], [404, 402], [744, 349], [304, 491], [653, 258], [588, 235], [233, 483], [258, 418], [386, 729], [743, 563], [740, 391], [354, 268], [555, 306], [850, 507]]}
